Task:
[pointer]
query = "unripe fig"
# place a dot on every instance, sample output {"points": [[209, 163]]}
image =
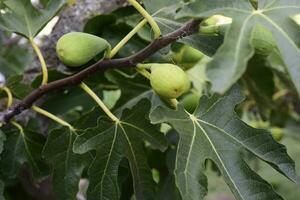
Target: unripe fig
{"points": [[168, 80], [217, 24], [277, 133], [296, 18], [76, 49], [263, 40], [187, 57], [190, 102]]}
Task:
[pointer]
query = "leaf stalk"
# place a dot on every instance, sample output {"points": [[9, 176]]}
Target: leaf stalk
{"points": [[42, 61], [9, 96], [125, 40], [90, 92], [53, 117], [147, 16]]}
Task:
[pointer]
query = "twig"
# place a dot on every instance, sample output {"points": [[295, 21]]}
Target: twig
{"points": [[131, 61]]}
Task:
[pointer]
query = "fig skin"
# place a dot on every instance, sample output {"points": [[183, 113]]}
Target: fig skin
{"points": [[190, 102], [168, 80], [277, 133], [187, 57], [263, 41], [76, 49]]}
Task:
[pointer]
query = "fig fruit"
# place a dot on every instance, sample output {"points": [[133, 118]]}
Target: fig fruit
{"points": [[168, 80], [217, 24], [277, 133], [187, 57], [76, 49], [296, 18], [190, 102], [263, 41]]}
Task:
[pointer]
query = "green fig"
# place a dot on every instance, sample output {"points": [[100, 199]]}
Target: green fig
{"points": [[296, 18], [217, 24], [76, 49], [187, 57], [263, 41], [277, 133], [190, 102], [168, 80]]}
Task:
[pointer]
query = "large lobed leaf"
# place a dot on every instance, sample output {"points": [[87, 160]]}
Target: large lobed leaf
{"points": [[215, 132], [20, 148], [22, 17], [67, 167], [113, 142], [231, 59], [164, 14]]}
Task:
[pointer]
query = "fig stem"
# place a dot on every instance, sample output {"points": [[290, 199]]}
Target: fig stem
{"points": [[125, 40], [208, 30], [41, 59], [53, 117], [174, 103], [18, 126], [9, 96], [90, 92], [147, 16], [144, 65], [143, 72]]}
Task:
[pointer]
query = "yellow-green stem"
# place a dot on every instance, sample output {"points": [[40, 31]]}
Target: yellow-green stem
{"points": [[125, 40], [174, 102], [9, 96], [18, 126], [53, 117], [41, 59], [99, 102], [279, 94], [143, 72], [147, 16], [144, 65]]}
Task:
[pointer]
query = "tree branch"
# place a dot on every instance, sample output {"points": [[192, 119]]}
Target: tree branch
{"points": [[131, 61]]}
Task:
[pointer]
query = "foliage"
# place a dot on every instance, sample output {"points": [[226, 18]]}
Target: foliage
{"points": [[244, 85]]}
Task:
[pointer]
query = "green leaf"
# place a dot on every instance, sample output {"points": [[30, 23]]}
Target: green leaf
{"points": [[259, 80], [13, 155], [215, 132], [287, 189], [113, 142], [67, 167], [23, 18], [164, 14], [130, 85], [23, 148], [2, 190], [231, 59], [2, 140], [14, 59], [168, 190], [18, 89]]}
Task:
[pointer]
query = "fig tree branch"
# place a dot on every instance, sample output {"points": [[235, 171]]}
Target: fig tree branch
{"points": [[131, 61]]}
